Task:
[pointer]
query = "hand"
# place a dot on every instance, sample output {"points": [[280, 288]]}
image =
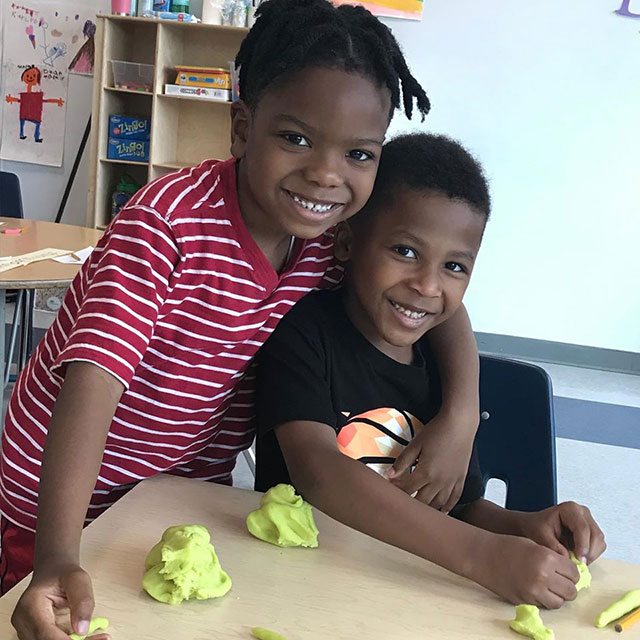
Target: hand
{"points": [[567, 526], [523, 572], [9, 98], [51, 589], [442, 449], [59, 102]]}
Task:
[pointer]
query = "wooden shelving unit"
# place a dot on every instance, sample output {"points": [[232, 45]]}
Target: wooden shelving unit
{"points": [[184, 131]]}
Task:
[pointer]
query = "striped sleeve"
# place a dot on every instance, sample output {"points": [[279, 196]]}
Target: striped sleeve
{"points": [[118, 295]]}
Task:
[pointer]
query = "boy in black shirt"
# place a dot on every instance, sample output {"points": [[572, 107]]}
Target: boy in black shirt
{"points": [[347, 378]]}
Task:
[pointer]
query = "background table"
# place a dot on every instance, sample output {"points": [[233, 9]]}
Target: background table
{"points": [[45, 273], [351, 587]]}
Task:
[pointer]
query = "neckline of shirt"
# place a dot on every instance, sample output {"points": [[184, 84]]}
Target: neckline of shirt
{"points": [[265, 273], [418, 363]]}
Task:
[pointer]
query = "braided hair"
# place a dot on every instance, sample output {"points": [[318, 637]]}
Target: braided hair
{"points": [[290, 35]]}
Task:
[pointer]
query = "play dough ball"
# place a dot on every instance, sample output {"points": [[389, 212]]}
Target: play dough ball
{"points": [[184, 565], [529, 623], [94, 625], [585, 575], [283, 519]]}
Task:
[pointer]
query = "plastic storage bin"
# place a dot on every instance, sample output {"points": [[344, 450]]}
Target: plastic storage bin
{"points": [[132, 75]]}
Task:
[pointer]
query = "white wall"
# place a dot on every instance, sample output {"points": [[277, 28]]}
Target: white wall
{"points": [[43, 187], [546, 93]]}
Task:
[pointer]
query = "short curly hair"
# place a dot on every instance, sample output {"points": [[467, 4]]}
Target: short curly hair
{"points": [[291, 35], [429, 162]]}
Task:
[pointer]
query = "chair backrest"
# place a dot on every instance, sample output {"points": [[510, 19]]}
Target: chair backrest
{"points": [[10, 196], [516, 437]]}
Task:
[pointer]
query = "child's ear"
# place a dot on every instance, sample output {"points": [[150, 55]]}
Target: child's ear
{"points": [[343, 242], [240, 125]]}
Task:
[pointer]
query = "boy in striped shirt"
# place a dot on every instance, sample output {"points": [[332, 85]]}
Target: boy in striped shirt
{"points": [[146, 368]]}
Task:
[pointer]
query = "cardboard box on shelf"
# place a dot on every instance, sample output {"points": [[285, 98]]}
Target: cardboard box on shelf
{"points": [[221, 95]]}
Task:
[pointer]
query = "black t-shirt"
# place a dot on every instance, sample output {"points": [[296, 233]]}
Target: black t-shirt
{"points": [[318, 367]]}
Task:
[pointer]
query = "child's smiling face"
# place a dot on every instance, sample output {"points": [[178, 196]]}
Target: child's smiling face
{"points": [[31, 76], [309, 151], [409, 266]]}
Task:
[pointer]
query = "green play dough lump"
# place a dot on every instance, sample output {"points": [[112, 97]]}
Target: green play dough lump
{"points": [[529, 623], [265, 634], [628, 602], [283, 519], [585, 575], [94, 625], [184, 565]]}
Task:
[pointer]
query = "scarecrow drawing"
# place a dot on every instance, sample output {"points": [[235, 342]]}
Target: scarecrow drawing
{"points": [[31, 102]]}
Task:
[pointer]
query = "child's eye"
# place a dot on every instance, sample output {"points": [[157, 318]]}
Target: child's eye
{"points": [[405, 252], [296, 139], [456, 267], [360, 155]]}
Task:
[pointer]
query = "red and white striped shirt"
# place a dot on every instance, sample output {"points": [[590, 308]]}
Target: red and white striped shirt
{"points": [[174, 302]]}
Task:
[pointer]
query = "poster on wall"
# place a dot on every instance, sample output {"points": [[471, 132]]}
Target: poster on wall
{"points": [[407, 9], [43, 42]]}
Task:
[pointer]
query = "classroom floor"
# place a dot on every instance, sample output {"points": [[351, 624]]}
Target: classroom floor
{"points": [[598, 451]]}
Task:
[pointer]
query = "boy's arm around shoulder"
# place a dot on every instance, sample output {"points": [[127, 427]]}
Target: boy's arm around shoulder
{"points": [[444, 447], [456, 353]]}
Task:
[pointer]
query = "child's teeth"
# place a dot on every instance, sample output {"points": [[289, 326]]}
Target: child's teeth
{"points": [[318, 208], [414, 315]]}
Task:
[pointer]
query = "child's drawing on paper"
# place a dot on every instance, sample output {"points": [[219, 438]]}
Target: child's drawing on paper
{"points": [[83, 60], [43, 43], [31, 102]]}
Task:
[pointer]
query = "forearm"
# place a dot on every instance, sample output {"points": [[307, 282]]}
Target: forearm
{"points": [[363, 500], [489, 516], [71, 460], [456, 354]]}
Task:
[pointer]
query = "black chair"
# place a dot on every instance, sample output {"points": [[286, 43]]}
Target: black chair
{"points": [[516, 437], [11, 207]]}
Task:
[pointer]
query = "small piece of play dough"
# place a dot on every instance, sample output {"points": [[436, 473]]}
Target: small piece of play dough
{"points": [[529, 623], [184, 565], [283, 519], [628, 602], [585, 575], [94, 625], [265, 634]]}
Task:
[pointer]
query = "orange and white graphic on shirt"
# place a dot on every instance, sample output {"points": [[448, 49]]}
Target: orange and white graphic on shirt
{"points": [[378, 436]]}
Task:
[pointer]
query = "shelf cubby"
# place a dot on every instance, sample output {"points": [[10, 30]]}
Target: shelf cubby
{"points": [[184, 131]]}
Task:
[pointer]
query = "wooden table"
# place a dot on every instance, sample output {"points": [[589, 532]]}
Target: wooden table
{"points": [[46, 273], [350, 587]]}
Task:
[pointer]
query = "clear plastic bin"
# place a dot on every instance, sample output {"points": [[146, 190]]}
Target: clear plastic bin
{"points": [[134, 76]]}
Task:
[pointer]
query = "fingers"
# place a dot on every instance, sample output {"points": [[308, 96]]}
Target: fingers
{"points": [[77, 586], [598, 544], [588, 538], [454, 497], [404, 461], [33, 618], [573, 518], [427, 494], [568, 570], [563, 587], [549, 540]]}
